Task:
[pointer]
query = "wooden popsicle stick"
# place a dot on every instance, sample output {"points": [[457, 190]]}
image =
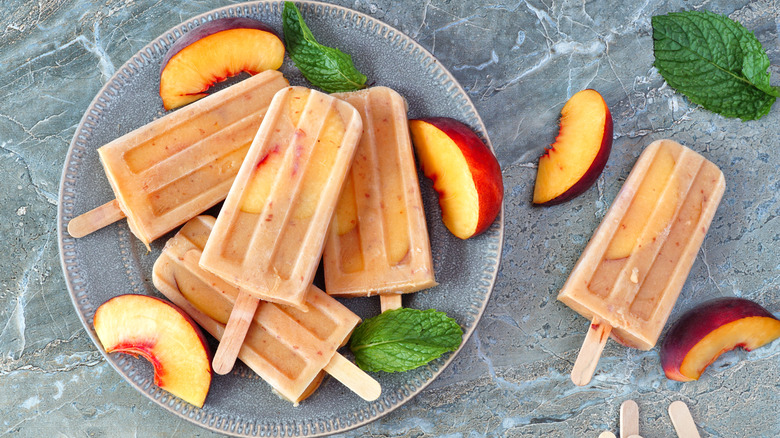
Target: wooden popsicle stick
{"points": [[95, 219], [607, 434], [682, 420], [353, 377], [629, 419], [235, 331], [590, 352], [390, 302]]}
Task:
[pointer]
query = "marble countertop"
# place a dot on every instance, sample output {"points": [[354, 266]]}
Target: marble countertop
{"points": [[519, 61]]}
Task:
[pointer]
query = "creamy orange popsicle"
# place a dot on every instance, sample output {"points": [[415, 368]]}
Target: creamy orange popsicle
{"points": [[288, 348], [269, 235], [378, 242], [634, 267], [179, 165]]}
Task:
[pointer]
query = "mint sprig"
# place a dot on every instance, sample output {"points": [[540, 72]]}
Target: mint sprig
{"points": [[715, 62], [325, 67], [404, 339]]}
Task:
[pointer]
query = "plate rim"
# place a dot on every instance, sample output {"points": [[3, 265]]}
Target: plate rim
{"points": [[163, 399]]}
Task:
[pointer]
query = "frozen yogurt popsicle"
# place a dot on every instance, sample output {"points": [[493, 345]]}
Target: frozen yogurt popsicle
{"points": [[632, 270], [378, 241], [179, 165], [269, 235], [288, 348]]}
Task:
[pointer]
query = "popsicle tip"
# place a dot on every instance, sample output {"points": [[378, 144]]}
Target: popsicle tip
{"points": [[372, 391], [95, 219], [676, 405], [354, 378], [223, 362], [390, 302], [590, 352], [74, 229], [629, 419], [682, 420], [221, 368], [235, 331]]}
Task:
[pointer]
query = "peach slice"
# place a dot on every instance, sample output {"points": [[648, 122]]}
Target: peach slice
{"points": [[711, 329], [213, 52], [162, 334], [464, 171], [573, 163]]}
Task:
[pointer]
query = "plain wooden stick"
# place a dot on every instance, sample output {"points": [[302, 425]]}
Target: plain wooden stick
{"points": [[235, 331], [607, 434], [629, 419], [390, 302], [682, 420], [95, 219], [353, 378], [590, 352]]}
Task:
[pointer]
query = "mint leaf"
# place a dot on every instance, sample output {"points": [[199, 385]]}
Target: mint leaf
{"points": [[715, 62], [325, 67], [404, 339]]}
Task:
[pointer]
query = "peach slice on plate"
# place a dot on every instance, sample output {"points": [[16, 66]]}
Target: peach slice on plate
{"points": [[213, 52], [573, 163], [162, 334], [464, 171], [712, 328]]}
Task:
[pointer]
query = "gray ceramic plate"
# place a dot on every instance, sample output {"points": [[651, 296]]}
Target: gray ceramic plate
{"points": [[112, 261]]}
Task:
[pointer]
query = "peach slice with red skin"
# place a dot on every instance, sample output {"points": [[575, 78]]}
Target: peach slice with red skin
{"points": [[705, 332], [162, 334], [214, 51], [464, 171], [578, 156]]}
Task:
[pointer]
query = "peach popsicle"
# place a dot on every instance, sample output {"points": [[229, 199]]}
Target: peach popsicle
{"points": [[378, 242], [632, 270], [288, 348], [269, 235], [181, 164]]}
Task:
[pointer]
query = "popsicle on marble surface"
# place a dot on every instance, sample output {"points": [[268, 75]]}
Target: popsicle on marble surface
{"points": [[178, 166], [378, 242], [634, 267], [288, 348]]}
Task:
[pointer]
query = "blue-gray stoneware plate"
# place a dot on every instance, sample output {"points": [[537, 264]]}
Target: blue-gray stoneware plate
{"points": [[112, 261]]}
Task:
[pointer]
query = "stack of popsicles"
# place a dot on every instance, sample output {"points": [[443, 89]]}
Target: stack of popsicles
{"points": [[288, 348], [246, 277]]}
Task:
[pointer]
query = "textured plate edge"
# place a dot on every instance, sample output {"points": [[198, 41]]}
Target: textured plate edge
{"points": [[374, 410]]}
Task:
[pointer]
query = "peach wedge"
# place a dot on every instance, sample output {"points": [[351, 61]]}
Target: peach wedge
{"points": [[162, 334], [573, 163], [213, 52], [464, 171], [705, 332]]}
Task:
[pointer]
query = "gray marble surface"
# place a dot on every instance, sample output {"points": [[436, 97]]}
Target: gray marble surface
{"points": [[519, 62]]}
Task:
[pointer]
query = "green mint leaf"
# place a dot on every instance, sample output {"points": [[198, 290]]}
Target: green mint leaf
{"points": [[325, 67], [404, 339], [715, 62]]}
